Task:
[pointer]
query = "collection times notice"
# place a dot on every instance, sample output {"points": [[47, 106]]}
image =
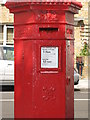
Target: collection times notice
{"points": [[49, 57]]}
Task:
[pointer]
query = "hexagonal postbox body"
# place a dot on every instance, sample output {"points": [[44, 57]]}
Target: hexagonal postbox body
{"points": [[44, 58]]}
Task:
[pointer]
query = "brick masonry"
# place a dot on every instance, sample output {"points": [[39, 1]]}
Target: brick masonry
{"points": [[5, 16], [82, 35], [8, 18]]}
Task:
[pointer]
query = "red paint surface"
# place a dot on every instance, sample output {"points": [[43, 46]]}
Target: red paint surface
{"points": [[43, 92]]}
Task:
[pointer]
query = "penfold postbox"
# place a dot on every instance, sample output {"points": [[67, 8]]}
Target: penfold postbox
{"points": [[44, 58]]}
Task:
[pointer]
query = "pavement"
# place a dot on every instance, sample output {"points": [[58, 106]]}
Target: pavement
{"points": [[83, 84]]}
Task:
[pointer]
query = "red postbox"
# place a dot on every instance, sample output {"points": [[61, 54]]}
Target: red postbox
{"points": [[44, 50]]}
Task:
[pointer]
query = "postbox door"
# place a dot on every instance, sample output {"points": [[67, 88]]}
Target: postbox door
{"points": [[45, 78]]}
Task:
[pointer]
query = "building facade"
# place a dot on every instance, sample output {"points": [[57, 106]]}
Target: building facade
{"points": [[82, 35], [81, 31], [6, 25]]}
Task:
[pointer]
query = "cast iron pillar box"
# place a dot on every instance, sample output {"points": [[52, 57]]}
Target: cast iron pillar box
{"points": [[44, 58]]}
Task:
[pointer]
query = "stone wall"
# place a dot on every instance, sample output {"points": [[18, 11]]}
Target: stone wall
{"points": [[81, 35], [5, 16], [8, 18]]}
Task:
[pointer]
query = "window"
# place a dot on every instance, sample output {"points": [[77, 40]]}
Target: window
{"points": [[1, 34], [8, 53], [10, 35]]}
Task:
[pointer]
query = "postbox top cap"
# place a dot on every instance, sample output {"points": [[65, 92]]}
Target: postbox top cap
{"points": [[47, 1]]}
